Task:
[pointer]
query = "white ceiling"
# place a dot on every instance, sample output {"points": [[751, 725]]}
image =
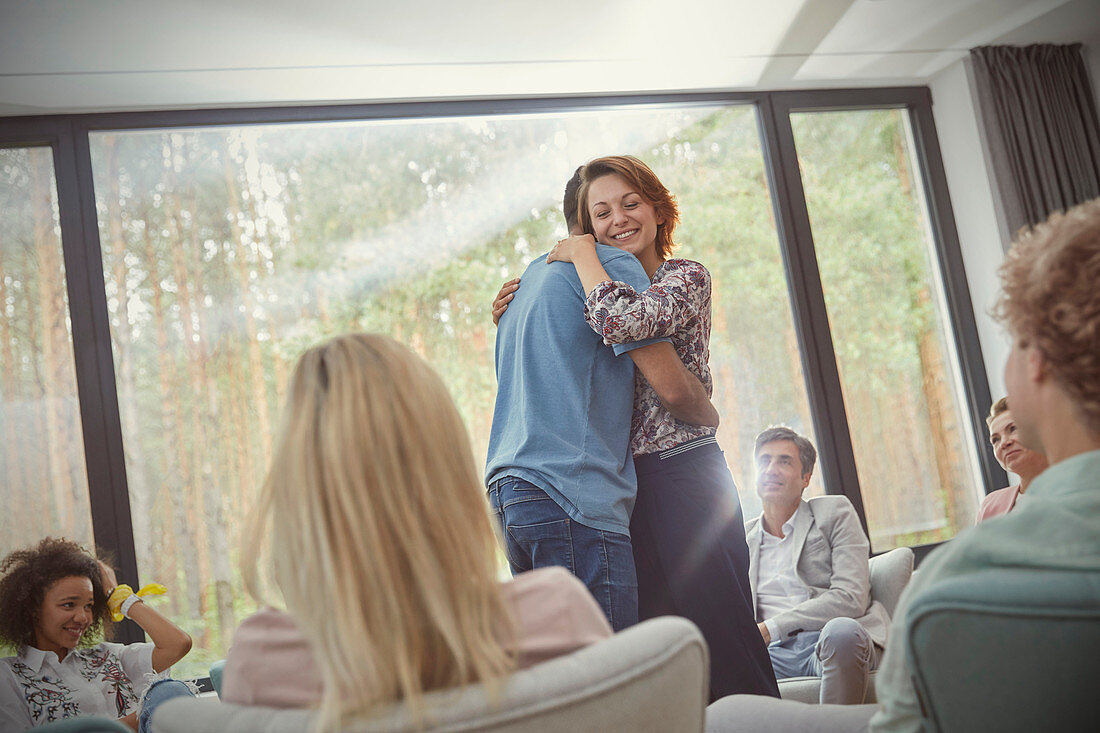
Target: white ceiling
{"points": [[95, 55]]}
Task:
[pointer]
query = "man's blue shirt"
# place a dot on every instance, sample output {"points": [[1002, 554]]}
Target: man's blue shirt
{"points": [[564, 399]]}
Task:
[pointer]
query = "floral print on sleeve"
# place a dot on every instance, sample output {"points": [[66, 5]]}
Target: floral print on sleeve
{"points": [[677, 305], [680, 292]]}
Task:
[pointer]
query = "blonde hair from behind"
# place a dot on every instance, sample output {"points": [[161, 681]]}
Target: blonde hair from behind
{"points": [[379, 534]]}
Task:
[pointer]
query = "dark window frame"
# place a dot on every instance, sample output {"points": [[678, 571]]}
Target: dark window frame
{"points": [[68, 137], [108, 497], [807, 296]]}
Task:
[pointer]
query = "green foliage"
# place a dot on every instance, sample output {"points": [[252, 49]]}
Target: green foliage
{"points": [[875, 261]]}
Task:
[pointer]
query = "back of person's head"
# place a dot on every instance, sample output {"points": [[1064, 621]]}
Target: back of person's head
{"points": [[1051, 298], [29, 573], [998, 408], [807, 454], [569, 201], [645, 182], [380, 537]]}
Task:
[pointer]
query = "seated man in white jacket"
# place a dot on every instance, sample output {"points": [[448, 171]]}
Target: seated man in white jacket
{"points": [[809, 575]]}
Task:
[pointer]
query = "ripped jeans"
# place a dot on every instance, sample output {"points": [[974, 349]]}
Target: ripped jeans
{"points": [[157, 693]]}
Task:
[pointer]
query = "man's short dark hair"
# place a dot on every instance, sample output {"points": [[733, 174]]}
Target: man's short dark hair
{"points": [[569, 203], [807, 455]]}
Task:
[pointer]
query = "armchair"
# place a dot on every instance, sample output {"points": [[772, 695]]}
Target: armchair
{"points": [[1007, 649], [890, 573], [650, 678]]}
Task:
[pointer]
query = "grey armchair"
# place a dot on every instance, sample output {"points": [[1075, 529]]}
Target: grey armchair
{"points": [[217, 669], [890, 573], [1007, 649], [650, 678]]}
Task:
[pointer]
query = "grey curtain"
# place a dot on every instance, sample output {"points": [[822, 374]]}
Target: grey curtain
{"points": [[1041, 129]]}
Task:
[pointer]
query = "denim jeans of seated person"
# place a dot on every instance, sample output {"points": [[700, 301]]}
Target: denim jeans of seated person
{"points": [[539, 533], [157, 693]]}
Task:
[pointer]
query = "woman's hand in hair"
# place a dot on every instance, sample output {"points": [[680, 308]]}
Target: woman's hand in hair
{"points": [[504, 297], [568, 249], [107, 574]]}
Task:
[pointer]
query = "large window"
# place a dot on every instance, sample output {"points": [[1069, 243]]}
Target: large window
{"points": [[219, 245], [226, 252], [41, 448], [917, 472]]}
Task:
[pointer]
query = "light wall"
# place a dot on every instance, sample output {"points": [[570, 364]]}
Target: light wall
{"points": [[1092, 61]]}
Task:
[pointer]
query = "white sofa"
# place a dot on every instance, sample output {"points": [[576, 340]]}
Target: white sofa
{"points": [[650, 678]]}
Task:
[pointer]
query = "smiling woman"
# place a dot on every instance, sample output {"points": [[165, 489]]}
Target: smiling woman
{"points": [[1013, 456], [686, 527], [67, 611], [54, 598]]}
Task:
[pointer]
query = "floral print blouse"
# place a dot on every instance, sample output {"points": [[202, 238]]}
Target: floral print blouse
{"points": [[676, 305], [107, 679]]}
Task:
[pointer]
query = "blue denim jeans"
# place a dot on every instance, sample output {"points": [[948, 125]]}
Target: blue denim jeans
{"points": [[538, 533], [157, 693]]}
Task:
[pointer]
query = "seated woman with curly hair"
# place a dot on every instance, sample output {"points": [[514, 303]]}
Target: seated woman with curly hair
{"points": [[54, 602]]}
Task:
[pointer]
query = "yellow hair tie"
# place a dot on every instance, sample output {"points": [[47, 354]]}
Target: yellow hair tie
{"points": [[123, 591]]}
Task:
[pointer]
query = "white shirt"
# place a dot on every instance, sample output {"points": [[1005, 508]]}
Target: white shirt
{"points": [[106, 680], [778, 587]]}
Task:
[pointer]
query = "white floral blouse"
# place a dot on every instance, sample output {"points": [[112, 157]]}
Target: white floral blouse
{"points": [[676, 305], [106, 680]]}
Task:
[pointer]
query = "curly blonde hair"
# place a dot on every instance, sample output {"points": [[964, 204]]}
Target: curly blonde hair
{"points": [[1051, 297]]}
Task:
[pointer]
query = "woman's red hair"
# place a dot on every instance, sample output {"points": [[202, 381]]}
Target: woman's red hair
{"points": [[640, 177]]}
